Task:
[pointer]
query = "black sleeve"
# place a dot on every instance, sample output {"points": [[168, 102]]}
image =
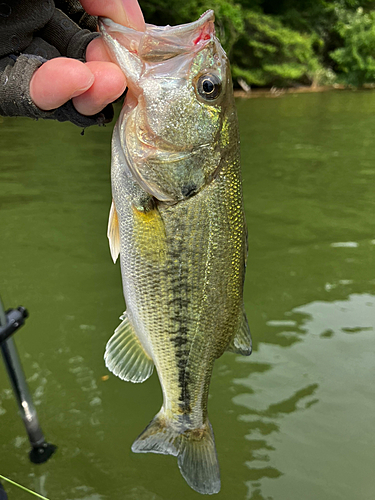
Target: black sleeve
{"points": [[68, 38], [74, 10], [15, 97], [59, 36]]}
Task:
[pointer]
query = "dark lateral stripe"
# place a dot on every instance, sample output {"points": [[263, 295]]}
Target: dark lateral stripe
{"points": [[179, 309]]}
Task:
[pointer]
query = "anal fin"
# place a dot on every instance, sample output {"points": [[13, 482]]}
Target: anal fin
{"points": [[241, 343], [124, 355]]}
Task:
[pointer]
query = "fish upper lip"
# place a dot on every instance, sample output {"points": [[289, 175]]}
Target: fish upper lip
{"points": [[163, 30]]}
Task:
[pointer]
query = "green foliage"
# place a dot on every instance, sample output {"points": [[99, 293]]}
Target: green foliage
{"points": [[356, 59], [267, 53], [229, 18], [285, 42], [229, 21]]}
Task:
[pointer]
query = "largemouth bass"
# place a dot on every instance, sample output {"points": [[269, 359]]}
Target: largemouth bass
{"points": [[178, 224]]}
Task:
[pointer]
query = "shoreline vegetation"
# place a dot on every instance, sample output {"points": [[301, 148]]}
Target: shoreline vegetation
{"points": [[284, 44], [278, 92]]}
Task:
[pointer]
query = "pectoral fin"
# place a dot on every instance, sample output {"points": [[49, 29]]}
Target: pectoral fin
{"points": [[113, 233], [241, 343], [124, 355]]}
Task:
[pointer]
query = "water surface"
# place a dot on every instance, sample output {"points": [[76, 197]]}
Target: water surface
{"points": [[296, 419]]}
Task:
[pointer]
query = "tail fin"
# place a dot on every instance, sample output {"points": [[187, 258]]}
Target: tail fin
{"points": [[158, 437], [195, 449], [197, 460]]}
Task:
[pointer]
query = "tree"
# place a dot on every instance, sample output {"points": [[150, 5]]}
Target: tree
{"points": [[268, 53], [356, 59]]}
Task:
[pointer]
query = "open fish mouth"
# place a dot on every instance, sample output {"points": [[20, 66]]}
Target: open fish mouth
{"points": [[163, 169], [160, 43], [173, 184]]}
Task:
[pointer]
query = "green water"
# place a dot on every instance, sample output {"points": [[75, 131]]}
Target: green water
{"points": [[295, 421]]}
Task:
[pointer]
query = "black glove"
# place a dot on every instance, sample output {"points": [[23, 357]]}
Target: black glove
{"points": [[32, 32]]}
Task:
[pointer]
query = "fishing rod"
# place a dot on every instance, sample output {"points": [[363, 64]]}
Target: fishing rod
{"points": [[10, 321]]}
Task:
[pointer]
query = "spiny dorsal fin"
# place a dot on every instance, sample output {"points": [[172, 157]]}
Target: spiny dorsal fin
{"points": [[113, 233], [241, 344], [124, 355]]}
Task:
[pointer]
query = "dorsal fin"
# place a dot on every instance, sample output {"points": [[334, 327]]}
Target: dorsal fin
{"points": [[241, 343], [113, 233]]}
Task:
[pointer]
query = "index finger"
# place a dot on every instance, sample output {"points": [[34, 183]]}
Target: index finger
{"points": [[125, 12]]}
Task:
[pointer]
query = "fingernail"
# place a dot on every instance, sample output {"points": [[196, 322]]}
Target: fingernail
{"points": [[134, 15], [80, 91]]}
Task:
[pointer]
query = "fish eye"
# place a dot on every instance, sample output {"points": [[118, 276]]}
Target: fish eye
{"points": [[209, 86]]}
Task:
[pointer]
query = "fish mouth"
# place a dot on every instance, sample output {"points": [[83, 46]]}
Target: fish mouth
{"points": [[160, 151], [166, 172], [178, 30], [154, 147], [167, 175], [169, 166], [159, 43]]}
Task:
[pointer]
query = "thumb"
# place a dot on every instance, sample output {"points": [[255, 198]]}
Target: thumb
{"points": [[58, 80]]}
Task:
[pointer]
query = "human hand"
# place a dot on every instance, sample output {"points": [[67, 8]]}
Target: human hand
{"points": [[91, 85]]}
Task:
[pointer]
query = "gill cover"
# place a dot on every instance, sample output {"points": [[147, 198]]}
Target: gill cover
{"points": [[171, 124]]}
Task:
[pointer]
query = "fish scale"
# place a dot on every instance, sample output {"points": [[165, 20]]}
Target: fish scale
{"points": [[178, 224]]}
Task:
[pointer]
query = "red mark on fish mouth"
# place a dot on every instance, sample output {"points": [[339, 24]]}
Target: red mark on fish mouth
{"points": [[202, 36]]}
